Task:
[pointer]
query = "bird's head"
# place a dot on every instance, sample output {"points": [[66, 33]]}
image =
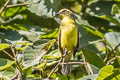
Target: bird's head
{"points": [[64, 12]]}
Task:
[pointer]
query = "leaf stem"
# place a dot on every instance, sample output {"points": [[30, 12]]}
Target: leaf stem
{"points": [[8, 54], [15, 5]]}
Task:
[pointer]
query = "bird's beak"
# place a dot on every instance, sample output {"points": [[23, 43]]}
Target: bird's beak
{"points": [[56, 14]]}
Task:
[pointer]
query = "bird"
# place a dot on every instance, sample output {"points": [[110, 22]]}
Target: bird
{"points": [[68, 38]]}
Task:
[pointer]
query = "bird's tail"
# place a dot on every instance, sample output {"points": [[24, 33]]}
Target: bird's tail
{"points": [[65, 69]]}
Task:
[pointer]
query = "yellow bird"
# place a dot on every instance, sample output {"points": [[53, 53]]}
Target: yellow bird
{"points": [[68, 37]]}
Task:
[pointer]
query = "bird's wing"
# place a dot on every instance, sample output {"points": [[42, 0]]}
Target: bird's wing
{"points": [[59, 42], [78, 40], [77, 46]]}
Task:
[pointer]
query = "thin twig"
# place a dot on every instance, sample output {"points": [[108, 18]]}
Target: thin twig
{"points": [[61, 59], [21, 71], [55, 67], [112, 60], [73, 63], [14, 77], [108, 43], [17, 63], [115, 76], [13, 51], [112, 50], [87, 65], [106, 51], [2, 75], [15, 5], [4, 6], [8, 54], [115, 48]]}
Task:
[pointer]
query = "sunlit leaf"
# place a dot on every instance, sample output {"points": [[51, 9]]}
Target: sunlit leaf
{"points": [[44, 8], [4, 46], [51, 34], [116, 9], [105, 72], [11, 11], [7, 65]]}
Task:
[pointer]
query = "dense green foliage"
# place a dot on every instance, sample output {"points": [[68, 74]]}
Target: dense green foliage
{"points": [[28, 39]]}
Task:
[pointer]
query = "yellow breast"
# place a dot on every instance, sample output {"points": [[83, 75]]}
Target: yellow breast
{"points": [[69, 34]]}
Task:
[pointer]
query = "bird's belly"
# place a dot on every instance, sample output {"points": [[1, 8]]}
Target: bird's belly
{"points": [[69, 38]]}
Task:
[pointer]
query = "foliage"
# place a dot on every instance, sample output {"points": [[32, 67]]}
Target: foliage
{"points": [[28, 39]]}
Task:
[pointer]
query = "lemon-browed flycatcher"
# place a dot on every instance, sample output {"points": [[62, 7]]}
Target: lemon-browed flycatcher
{"points": [[68, 38]]}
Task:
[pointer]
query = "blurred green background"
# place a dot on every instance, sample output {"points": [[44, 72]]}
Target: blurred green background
{"points": [[28, 39]]}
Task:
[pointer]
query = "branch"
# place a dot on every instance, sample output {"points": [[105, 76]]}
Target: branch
{"points": [[112, 51], [112, 59], [4, 6], [73, 63], [15, 5], [87, 65], [55, 67], [14, 77], [11, 57], [61, 59], [115, 48], [107, 54]]}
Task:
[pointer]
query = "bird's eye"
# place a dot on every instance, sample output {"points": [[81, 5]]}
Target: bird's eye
{"points": [[64, 12]]}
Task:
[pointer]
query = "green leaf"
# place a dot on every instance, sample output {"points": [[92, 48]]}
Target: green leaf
{"points": [[31, 36], [51, 34], [115, 9], [62, 77], [11, 36], [32, 56], [27, 70], [21, 45], [105, 72], [92, 1], [7, 66], [90, 77], [4, 46], [3, 62], [93, 58], [111, 19], [88, 36], [8, 74], [44, 8], [11, 12], [115, 75], [56, 55], [113, 38]]}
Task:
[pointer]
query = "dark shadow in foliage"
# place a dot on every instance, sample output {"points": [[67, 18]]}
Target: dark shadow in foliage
{"points": [[85, 37], [101, 23], [104, 7], [43, 22], [97, 22], [10, 35], [4, 55]]}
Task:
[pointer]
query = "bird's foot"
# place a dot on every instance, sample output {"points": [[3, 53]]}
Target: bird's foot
{"points": [[66, 52]]}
